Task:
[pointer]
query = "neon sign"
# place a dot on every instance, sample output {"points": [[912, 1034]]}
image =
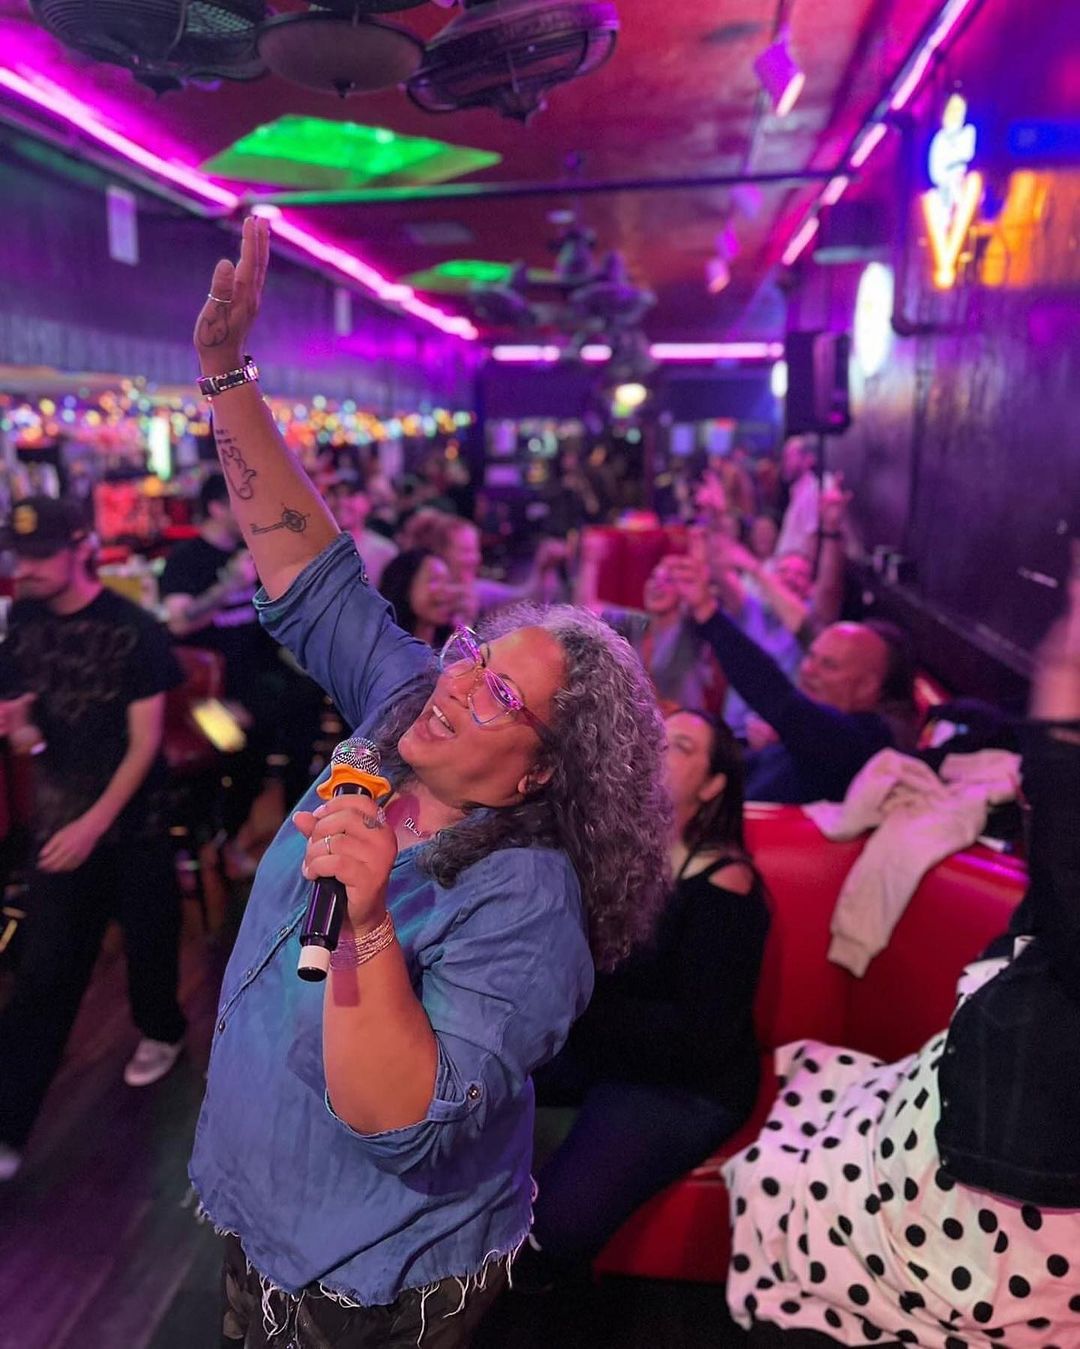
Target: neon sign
{"points": [[950, 206]]}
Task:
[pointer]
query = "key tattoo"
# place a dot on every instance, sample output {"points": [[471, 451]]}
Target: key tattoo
{"points": [[294, 521]]}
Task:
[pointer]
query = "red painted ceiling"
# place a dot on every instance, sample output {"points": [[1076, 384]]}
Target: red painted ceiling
{"points": [[678, 96]]}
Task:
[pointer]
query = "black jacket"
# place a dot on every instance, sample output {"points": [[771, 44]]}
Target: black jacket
{"points": [[1010, 1075]]}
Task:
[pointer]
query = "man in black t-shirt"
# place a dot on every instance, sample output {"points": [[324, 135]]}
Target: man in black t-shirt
{"points": [[91, 670], [208, 586]]}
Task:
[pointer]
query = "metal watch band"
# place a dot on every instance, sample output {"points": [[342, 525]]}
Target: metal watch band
{"points": [[209, 385]]}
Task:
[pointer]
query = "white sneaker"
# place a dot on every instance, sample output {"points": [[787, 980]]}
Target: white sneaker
{"points": [[10, 1162], [150, 1062]]}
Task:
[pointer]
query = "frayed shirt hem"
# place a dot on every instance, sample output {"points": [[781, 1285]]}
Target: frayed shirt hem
{"points": [[468, 1281]]}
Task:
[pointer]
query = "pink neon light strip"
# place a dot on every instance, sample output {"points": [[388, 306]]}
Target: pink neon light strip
{"points": [[659, 351], [912, 79], [872, 137], [869, 144], [533, 354], [51, 98], [801, 240], [834, 190], [716, 351], [525, 355], [950, 17]]}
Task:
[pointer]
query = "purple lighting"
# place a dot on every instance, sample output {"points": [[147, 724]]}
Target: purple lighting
{"points": [[800, 241], [869, 143], [716, 351], [32, 87], [659, 351], [873, 133], [834, 190], [51, 98], [545, 355], [950, 16]]}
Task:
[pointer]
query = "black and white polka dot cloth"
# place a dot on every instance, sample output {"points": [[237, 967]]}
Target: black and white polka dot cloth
{"points": [[844, 1222]]}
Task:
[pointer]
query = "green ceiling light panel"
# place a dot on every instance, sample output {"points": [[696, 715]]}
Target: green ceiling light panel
{"points": [[458, 277], [304, 152]]}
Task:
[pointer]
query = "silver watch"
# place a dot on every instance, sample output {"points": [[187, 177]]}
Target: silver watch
{"points": [[209, 385]]}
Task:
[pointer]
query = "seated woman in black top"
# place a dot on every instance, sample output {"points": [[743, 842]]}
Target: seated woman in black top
{"points": [[664, 1063]]}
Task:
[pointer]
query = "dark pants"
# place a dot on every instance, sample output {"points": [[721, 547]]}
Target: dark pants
{"points": [[315, 1321], [67, 913], [627, 1142], [285, 709]]}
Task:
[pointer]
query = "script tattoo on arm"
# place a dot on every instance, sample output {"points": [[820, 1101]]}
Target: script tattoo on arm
{"points": [[235, 465], [214, 327], [294, 521]]}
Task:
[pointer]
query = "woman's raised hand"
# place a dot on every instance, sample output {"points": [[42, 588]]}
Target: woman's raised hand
{"points": [[223, 325]]}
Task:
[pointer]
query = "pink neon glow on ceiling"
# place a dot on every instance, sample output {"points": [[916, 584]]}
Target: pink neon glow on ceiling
{"points": [[96, 122], [873, 133], [659, 351]]}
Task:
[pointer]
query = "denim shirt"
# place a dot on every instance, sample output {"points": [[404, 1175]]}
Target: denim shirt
{"points": [[500, 961], [1010, 1073]]}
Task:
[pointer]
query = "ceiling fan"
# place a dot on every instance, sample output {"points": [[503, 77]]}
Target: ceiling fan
{"points": [[501, 54], [589, 300]]}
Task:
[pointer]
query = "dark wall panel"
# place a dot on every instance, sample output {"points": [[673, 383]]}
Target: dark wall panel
{"points": [[965, 451], [65, 303]]}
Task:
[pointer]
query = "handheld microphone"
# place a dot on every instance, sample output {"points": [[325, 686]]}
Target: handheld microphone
{"points": [[354, 771]]}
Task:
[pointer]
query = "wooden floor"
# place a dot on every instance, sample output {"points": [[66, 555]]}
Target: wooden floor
{"points": [[99, 1248]]}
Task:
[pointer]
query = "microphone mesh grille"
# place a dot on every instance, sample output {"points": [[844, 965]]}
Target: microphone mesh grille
{"points": [[359, 754]]}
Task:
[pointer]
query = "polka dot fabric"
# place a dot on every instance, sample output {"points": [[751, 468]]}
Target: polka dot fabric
{"points": [[845, 1223]]}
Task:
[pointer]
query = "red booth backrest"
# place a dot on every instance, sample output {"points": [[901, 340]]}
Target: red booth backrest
{"points": [[801, 995], [908, 992], [631, 555]]}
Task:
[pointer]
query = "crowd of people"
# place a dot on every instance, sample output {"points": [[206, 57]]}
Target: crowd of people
{"points": [[554, 903]]}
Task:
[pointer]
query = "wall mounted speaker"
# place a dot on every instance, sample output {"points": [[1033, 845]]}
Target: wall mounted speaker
{"points": [[817, 399]]}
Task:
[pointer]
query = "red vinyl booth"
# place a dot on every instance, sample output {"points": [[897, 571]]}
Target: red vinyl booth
{"points": [[630, 556], [907, 995]]}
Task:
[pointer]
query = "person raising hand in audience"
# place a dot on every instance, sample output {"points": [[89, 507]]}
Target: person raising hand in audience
{"points": [[829, 722]]}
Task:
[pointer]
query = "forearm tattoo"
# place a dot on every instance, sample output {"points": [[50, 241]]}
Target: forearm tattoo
{"points": [[214, 327], [235, 466], [294, 521]]}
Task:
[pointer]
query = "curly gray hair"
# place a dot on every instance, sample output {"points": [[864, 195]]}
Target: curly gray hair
{"points": [[604, 805]]}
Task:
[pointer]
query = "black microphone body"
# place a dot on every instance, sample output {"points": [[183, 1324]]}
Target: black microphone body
{"points": [[355, 773], [325, 913]]}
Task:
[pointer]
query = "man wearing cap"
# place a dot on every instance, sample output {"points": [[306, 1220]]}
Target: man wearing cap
{"points": [[91, 670]]}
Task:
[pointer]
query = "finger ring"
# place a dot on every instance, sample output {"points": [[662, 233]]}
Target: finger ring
{"points": [[326, 840], [216, 298], [373, 821]]}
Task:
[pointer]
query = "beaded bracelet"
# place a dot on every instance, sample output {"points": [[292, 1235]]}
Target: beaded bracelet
{"points": [[352, 952]]}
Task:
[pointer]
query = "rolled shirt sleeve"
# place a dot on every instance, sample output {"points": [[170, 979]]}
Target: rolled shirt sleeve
{"points": [[502, 991], [343, 633]]}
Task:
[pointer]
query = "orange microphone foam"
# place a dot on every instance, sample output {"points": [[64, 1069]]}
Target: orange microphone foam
{"points": [[345, 775]]}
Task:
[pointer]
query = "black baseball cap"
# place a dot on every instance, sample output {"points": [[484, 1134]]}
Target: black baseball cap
{"points": [[42, 526]]}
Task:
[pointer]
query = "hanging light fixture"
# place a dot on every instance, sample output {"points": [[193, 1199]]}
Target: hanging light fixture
{"points": [[779, 73], [718, 267], [717, 274]]}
